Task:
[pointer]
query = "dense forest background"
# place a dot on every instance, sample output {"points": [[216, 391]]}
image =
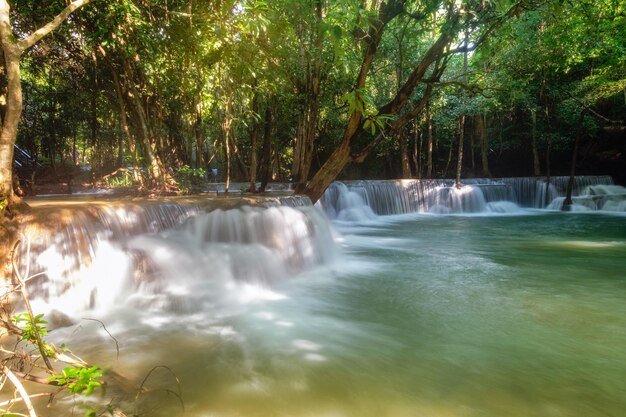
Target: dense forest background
{"points": [[290, 90]]}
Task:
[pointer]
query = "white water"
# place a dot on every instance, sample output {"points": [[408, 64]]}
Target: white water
{"points": [[126, 256], [268, 312], [362, 200]]}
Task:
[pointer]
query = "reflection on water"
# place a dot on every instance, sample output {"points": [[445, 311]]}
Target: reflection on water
{"points": [[419, 315]]}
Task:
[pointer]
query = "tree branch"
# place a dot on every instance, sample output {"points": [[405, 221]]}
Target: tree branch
{"points": [[514, 10], [590, 110], [20, 388], [36, 36]]}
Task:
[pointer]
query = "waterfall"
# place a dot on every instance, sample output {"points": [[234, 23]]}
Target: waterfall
{"points": [[502, 195], [531, 192], [170, 255], [342, 201], [604, 197]]}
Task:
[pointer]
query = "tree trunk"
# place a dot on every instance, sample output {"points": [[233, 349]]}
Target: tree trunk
{"points": [[444, 174], [124, 119], [305, 136], [310, 128], [536, 166], [243, 170], [306, 127], [138, 177], [75, 150], [13, 110], [12, 113], [342, 154], [481, 127], [254, 138], [404, 153], [226, 126], [331, 168], [266, 152], [120, 151], [547, 194], [197, 130], [12, 49], [567, 204], [472, 153], [417, 148], [429, 155], [459, 161], [160, 176]]}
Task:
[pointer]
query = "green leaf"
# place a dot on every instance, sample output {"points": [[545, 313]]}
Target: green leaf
{"points": [[79, 380]]}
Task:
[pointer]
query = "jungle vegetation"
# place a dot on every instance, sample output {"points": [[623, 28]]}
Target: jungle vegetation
{"points": [[157, 93]]}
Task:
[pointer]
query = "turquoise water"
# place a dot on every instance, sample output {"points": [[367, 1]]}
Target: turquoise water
{"points": [[436, 316], [416, 315]]}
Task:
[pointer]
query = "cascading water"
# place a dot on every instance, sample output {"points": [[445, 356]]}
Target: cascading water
{"points": [[504, 195], [595, 197], [412, 315], [96, 255], [342, 201]]}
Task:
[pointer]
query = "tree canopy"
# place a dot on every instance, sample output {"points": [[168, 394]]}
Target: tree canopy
{"points": [[158, 93]]}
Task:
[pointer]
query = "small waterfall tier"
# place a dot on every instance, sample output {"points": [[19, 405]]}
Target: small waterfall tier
{"points": [[595, 197], [167, 254], [358, 200]]}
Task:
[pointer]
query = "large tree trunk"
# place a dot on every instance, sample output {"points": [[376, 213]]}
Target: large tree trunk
{"points": [[11, 118], [12, 50], [329, 171], [342, 154]]}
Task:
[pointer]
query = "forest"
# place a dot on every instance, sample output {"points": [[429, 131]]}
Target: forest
{"points": [[156, 94], [493, 131]]}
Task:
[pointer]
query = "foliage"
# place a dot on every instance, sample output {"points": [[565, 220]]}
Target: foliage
{"points": [[191, 179], [186, 70], [120, 180], [29, 332], [79, 380]]}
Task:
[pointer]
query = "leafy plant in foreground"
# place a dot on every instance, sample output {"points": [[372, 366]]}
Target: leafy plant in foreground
{"points": [[79, 380]]}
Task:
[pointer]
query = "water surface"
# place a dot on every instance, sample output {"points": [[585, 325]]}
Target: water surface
{"points": [[419, 315]]}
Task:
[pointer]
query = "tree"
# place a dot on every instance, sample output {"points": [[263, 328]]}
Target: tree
{"points": [[571, 61], [13, 47], [452, 18]]}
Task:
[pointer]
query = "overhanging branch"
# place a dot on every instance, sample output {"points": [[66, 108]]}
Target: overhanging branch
{"points": [[36, 36]]}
